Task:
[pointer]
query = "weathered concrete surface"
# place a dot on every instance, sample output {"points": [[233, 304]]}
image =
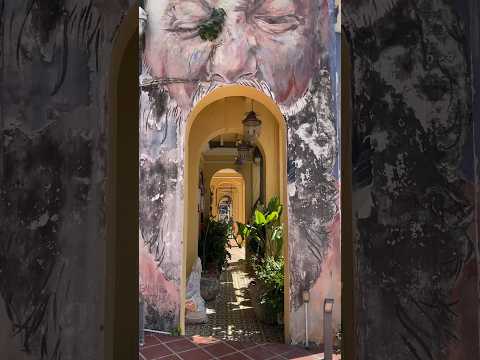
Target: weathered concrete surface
{"points": [[55, 60], [413, 181], [284, 50]]}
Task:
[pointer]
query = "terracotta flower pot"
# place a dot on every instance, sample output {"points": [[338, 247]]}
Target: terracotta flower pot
{"points": [[209, 287], [262, 311]]}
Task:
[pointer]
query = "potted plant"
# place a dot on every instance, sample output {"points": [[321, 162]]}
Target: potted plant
{"points": [[264, 234], [213, 249], [268, 290], [264, 237]]}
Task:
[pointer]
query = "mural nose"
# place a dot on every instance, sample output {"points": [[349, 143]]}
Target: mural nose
{"points": [[233, 59]]}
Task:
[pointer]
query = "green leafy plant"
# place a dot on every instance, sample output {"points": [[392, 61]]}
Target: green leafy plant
{"points": [[265, 230], [213, 26], [270, 271], [213, 245], [274, 227]]}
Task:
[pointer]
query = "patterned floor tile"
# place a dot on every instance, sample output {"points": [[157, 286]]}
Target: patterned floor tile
{"points": [[298, 354], [235, 356], [197, 354], [231, 315], [182, 345], [278, 348], [258, 353], [219, 349], [151, 340], [155, 352]]}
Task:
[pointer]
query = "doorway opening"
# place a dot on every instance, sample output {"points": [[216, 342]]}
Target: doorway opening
{"points": [[224, 190], [227, 201]]}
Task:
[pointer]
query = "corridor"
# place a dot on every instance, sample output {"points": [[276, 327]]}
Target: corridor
{"points": [[231, 315]]}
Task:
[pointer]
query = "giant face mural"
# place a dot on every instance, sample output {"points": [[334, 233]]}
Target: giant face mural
{"points": [[260, 40], [281, 48]]}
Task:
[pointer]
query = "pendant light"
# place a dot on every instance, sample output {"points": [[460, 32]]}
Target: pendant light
{"points": [[251, 126]]}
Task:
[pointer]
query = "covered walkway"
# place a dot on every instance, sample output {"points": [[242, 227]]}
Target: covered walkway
{"points": [[231, 315]]}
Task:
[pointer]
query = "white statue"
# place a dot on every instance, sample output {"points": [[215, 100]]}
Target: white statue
{"points": [[195, 305], [142, 21]]}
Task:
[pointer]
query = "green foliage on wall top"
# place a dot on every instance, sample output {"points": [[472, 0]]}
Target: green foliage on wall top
{"points": [[213, 26]]}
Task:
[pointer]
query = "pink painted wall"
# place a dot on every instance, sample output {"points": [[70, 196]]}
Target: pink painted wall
{"points": [[282, 48]]}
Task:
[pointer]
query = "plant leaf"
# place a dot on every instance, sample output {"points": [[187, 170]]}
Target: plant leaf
{"points": [[259, 218], [273, 216]]}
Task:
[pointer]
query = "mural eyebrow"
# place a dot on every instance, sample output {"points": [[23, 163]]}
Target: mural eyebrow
{"points": [[172, 9]]}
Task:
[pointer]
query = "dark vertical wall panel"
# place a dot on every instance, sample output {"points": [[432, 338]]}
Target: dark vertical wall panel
{"points": [[55, 58], [415, 243]]}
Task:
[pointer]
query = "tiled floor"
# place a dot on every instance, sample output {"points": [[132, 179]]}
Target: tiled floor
{"points": [[230, 315], [204, 348]]}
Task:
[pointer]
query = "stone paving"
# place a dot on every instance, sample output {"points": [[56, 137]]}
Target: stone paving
{"points": [[163, 347], [232, 331], [230, 315]]}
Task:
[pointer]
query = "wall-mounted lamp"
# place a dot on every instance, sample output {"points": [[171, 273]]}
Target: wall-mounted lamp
{"points": [[306, 299], [328, 329], [328, 305], [306, 296]]}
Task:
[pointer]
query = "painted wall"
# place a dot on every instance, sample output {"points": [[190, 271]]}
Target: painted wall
{"points": [[56, 61], [416, 235], [282, 49]]}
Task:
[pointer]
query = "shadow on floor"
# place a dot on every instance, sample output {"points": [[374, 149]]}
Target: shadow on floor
{"points": [[231, 315]]}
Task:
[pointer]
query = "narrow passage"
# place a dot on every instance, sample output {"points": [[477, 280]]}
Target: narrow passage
{"points": [[231, 315]]}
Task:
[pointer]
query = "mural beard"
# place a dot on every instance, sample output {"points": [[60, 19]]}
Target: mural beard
{"points": [[313, 189]]}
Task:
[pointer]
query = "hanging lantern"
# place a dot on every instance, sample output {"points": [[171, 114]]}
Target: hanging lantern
{"points": [[251, 126], [243, 151]]}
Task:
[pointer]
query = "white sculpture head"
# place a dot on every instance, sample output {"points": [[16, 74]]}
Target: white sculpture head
{"points": [[197, 266], [142, 21]]}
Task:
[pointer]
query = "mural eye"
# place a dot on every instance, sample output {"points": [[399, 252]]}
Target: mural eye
{"points": [[278, 24], [184, 26]]}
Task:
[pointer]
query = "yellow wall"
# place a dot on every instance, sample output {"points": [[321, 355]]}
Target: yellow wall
{"points": [[225, 117], [229, 184], [221, 112]]}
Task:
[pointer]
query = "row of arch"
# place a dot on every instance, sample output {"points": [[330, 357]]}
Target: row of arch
{"points": [[206, 121]]}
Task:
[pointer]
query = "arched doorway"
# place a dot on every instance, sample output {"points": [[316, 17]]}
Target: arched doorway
{"points": [[226, 195], [220, 114]]}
